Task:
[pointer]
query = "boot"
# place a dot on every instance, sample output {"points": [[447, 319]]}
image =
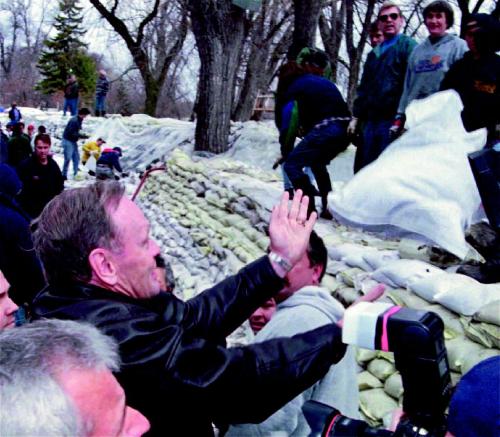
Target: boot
{"points": [[103, 113], [324, 208], [97, 113]]}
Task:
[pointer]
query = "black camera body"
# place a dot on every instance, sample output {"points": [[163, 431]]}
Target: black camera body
{"points": [[417, 340]]}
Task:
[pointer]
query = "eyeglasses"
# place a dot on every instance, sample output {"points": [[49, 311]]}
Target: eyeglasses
{"points": [[394, 16]]}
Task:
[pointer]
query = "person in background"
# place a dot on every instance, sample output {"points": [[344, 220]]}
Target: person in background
{"points": [[15, 115], [8, 308], [92, 148], [42, 129], [31, 130], [310, 106], [476, 77], [430, 60], [69, 144], [19, 146], [71, 92], [101, 90], [56, 380], [381, 85], [375, 34], [262, 315], [376, 38], [4, 146], [41, 177], [18, 260], [108, 162]]}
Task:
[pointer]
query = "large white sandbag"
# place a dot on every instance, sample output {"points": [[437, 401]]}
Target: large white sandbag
{"points": [[400, 272], [457, 292], [422, 184]]}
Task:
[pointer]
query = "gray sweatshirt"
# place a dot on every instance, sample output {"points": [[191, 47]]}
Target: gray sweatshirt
{"points": [[307, 309], [427, 66]]}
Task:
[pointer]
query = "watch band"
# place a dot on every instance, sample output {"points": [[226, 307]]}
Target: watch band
{"points": [[282, 262]]}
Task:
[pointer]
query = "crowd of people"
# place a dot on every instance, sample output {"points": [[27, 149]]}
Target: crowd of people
{"points": [[94, 340]]}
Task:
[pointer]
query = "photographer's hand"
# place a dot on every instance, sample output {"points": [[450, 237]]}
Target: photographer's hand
{"points": [[289, 231], [376, 292]]}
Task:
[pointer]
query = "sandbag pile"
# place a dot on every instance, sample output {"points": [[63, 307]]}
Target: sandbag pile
{"points": [[211, 215]]}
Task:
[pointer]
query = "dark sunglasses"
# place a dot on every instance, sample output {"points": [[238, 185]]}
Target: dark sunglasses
{"points": [[394, 16]]}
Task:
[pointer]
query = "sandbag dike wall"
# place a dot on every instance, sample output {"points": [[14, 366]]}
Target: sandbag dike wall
{"points": [[210, 217]]}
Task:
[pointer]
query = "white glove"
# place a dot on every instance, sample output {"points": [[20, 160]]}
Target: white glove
{"points": [[351, 129]]}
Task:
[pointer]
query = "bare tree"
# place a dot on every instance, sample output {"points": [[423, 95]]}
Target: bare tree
{"points": [[268, 41], [219, 29], [306, 16], [355, 52], [331, 26], [152, 71], [20, 43]]}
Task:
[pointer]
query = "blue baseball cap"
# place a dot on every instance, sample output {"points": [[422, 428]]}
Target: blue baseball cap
{"points": [[475, 405]]}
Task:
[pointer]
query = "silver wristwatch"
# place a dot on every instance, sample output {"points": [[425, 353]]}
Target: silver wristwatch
{"points": [[282, 262]]}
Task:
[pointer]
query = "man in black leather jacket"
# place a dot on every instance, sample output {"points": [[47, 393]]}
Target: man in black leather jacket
{"points": [[100, 265]]}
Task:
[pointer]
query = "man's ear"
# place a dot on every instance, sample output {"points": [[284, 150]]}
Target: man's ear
{"points": [[103, 267], [316, 273]]}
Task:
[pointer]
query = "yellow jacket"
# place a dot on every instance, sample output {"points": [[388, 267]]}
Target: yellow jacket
{"points": [[90, 148]]}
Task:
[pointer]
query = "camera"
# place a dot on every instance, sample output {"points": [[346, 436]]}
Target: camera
{"points": [[417, 340]]}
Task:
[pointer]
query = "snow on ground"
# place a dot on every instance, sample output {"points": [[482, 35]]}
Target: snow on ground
{"points": [[209, 215]]}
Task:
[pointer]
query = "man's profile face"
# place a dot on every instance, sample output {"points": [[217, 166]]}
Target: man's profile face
{"points": [[390, 21], [302, 274], [135, 258], [7, 307], [100, 402], [42, 152]]}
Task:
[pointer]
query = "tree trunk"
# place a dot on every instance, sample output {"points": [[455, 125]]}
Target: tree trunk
{"points": [[306, 23], [218, 28]]}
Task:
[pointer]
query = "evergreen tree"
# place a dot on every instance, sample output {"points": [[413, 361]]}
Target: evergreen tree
{"points": [[66, 53]]}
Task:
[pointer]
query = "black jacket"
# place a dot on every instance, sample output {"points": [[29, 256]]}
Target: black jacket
{"points": [[478, 83], [41, 183], [19, 148], [18, 261], [176, 369], [72, 129]]}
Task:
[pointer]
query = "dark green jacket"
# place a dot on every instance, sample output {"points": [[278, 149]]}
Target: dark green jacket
{"points": [[382, 81]]}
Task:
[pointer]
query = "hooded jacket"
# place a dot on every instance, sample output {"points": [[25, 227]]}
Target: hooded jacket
{"points": [[304, 310], [176, 369], [427, 65], [18, 261]]}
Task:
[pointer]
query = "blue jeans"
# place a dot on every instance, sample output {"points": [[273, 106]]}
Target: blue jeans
{"points": [[100, 103], [375, 140], [70, 149], [70, 105], [316, 150]]}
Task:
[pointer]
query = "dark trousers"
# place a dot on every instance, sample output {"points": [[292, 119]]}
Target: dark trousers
{"points": [[316, 151], [375, 140]]}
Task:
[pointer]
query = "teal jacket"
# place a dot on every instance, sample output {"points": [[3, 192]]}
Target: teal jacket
{"points": [[383, 79]]}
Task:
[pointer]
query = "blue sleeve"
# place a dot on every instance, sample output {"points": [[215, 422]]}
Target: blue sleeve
{"points": [[289, 127]]}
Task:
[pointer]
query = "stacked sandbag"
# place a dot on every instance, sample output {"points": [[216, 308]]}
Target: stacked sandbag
{"points": [[210, 217]]}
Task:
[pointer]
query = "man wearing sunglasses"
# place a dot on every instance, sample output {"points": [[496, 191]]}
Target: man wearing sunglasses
{"points": [[381, 85]]}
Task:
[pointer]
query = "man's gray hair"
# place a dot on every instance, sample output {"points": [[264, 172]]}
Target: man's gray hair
{"points": [[389, 4], [32, 357], [71, 226]]}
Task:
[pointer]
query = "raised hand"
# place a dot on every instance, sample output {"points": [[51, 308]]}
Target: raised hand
{"points": [[289, 228]]}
